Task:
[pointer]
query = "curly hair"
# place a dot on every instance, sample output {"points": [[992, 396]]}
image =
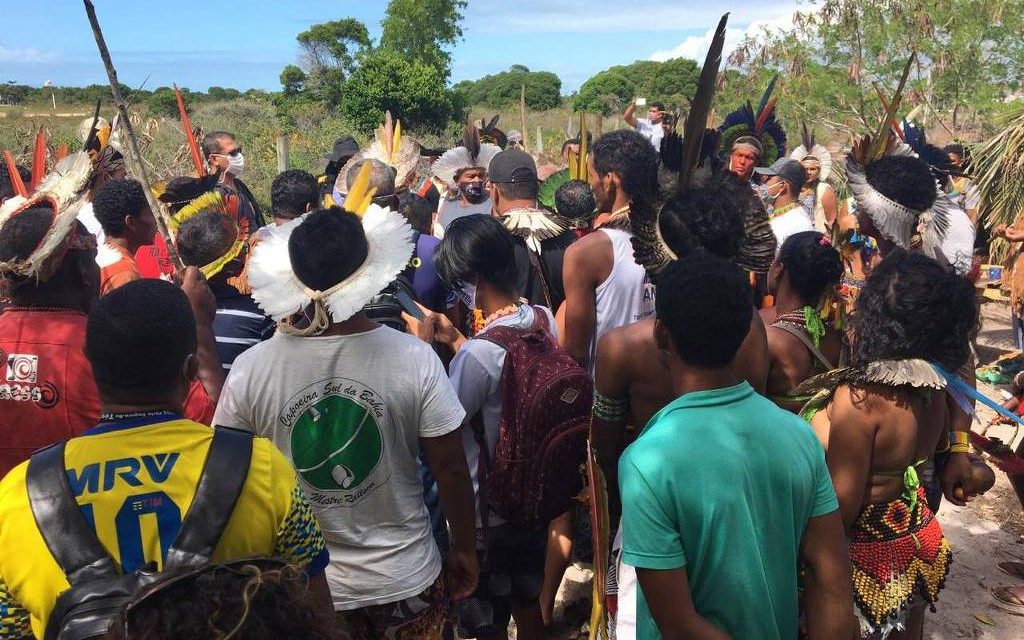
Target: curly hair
{"points": [[812, 266], [292, 192], [241, 601], [327, 247], [912, 307], [903, 179], [575, 200], [634, 159], [710, 216], [704, 302], [205, 237], [116, 199]]}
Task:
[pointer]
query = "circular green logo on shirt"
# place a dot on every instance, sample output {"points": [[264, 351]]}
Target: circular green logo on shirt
{"points": [[336, 442]]}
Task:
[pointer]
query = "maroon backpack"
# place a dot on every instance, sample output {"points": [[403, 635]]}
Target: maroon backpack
{"points": [[546, 401]]}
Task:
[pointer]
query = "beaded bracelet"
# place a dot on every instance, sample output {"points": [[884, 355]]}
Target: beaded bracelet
{"points": [[959, 442]]}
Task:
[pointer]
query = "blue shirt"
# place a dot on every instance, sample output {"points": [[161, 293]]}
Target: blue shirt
{"points": [[723, 482], [239, 323]]}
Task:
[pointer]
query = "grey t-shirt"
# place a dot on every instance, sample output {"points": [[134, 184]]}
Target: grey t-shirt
{"points": [[453, 209]]}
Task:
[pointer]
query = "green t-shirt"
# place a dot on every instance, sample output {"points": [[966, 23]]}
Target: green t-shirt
{"points": [[723, 482]]}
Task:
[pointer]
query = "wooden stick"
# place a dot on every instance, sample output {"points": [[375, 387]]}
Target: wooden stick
{"points": [[522, 116], [134, 157]]}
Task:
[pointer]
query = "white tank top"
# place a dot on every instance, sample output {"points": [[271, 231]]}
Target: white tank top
{"points": [[627, 294]]}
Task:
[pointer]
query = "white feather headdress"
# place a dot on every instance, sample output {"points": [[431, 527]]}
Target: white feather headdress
{"points": [[893, 220], [280, 294]]}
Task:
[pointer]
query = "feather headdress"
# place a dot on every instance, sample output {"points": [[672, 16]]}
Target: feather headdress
{"points": [[472, 153], [213, 201], [280, 294], [62, 190], [390, 146], [491, 134], [757, 248], [760, 124], [811, 149], [577, 170], [895, 221]]}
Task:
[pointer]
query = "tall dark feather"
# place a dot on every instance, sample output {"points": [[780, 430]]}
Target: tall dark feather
{"points": [[90, 140], [471, 140], [766, 97], [696, 120]]}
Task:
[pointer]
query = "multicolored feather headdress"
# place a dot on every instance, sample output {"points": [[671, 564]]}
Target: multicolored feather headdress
{"points": [[472, 153], [280, 294], [811, 149], [757, 248], [894, 221], [390, 146], [213, 201], [760, 124]]}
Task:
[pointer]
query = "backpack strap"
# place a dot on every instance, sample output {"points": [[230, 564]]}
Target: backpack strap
{"points": [[220, 484], [542, 275], [482, 468], [70, 539], [801, 335]]}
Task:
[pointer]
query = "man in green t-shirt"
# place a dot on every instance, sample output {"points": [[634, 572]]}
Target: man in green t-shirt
{"points": [[723, 492]]}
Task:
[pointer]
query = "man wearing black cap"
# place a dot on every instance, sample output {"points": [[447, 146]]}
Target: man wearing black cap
{"points": [[541, 239], [782, 183], [344, 149]]}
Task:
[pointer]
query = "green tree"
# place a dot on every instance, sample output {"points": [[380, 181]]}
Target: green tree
{"points": [[970, 58], [388, 81], [543, 89], [607, 92], [292, 79], [163, 102], [334, 44], [423, 30]]}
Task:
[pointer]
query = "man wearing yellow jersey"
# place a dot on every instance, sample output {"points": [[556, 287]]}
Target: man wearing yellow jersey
{"points": [[135, 474]]}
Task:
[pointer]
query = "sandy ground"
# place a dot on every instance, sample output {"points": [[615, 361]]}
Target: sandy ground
{"points": [[987, 531]]}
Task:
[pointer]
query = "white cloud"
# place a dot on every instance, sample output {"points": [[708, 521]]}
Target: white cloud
{"points": [[696, 47], [26, 55]]}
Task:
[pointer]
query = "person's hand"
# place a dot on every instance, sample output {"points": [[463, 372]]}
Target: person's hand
{"points": [[434, 328], [463, 573], [196, 289], [999, 230], [957, 479]]}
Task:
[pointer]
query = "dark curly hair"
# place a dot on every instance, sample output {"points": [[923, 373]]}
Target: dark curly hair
{"points": [[116, 199], [575, 200], [242, 601], [811, 267], [634, 159], [905, 179], [704, 302], [327, 247], [205, 237], [710, 216], [912, 307], [292, 192]]}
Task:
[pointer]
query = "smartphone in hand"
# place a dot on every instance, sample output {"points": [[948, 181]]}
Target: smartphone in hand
{"points": [[641, 102]]}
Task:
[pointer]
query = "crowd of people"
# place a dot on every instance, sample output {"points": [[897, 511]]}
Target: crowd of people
{"points": [[429, 393]]}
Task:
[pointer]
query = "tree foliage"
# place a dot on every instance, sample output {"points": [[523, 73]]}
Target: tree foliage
{"points": [[388, 81], [970, 57], [543, 89], [423, 30], [672, 82], [292, 79], [334, 44]]}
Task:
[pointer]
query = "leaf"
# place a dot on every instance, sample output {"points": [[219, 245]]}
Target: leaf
{"points": [[985, 619]]}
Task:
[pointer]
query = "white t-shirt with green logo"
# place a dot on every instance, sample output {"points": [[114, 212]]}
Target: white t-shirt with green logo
{"points": [[348, 411]]}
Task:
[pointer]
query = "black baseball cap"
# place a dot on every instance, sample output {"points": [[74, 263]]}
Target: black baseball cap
{"points": [[512, 165], [788, 169]]}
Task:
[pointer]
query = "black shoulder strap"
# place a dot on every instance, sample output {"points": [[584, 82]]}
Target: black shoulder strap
{"points": [[224, 474], [538, 266], [800, 334], [70, 539]]}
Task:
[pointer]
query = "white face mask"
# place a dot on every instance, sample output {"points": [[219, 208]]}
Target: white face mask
{"points": [[236, 165], [467, 294]]}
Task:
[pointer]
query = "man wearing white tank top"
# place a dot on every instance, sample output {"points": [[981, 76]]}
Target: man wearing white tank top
{"points": [[604, 287]]}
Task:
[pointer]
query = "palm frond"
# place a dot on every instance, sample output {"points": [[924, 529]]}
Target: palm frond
{"points": [[998, 168]]}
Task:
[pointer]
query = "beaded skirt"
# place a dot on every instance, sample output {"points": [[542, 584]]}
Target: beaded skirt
{"points": [[900, 557]]}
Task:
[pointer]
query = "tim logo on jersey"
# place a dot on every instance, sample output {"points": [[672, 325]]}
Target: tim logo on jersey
{"points": [[21, 381]]}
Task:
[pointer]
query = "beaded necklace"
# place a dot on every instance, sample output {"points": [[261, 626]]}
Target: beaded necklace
{"points": [[480, 322], [784, 209]]}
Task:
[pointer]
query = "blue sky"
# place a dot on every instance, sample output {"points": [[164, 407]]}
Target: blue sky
{"points": [[232, 43]]}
